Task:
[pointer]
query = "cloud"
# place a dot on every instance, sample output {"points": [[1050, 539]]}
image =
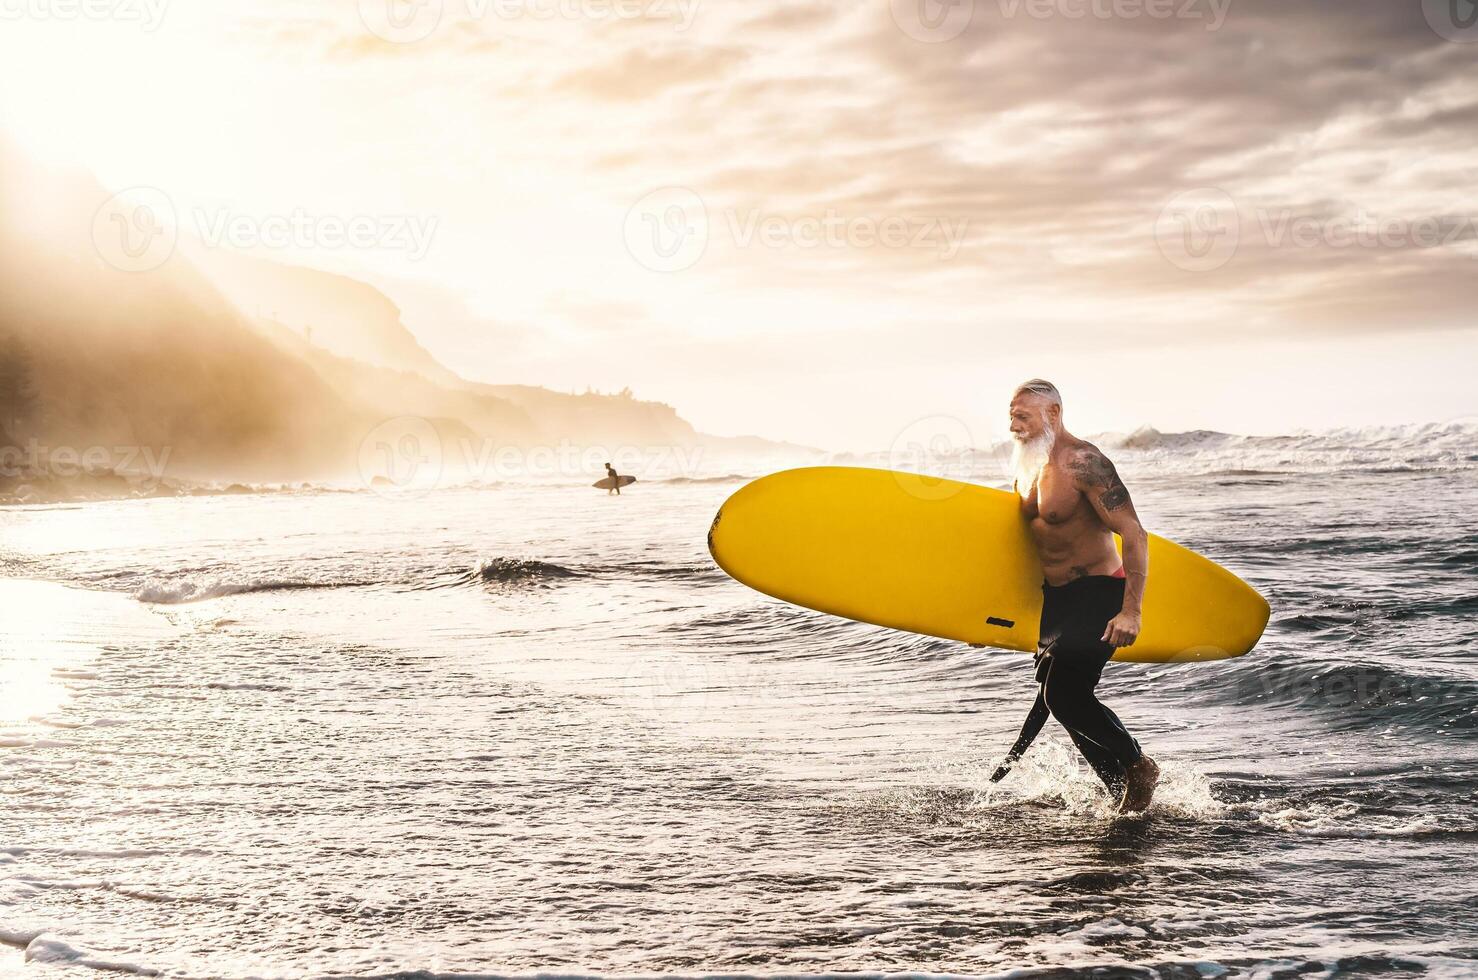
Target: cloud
{"points": [[1052, 137], [1057, 135], [640, 73]]}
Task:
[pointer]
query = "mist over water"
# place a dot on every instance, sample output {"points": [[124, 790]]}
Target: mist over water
{"points": [[534, 729]]}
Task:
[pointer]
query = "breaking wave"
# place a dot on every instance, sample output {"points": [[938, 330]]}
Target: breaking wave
{"points": [[515, 571], [198, 589]]}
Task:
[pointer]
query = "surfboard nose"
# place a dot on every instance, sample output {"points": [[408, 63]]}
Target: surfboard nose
{"points": [[718, 516]]}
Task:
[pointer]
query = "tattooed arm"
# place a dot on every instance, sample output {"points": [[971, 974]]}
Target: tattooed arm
{"points": [[1096, 477]]}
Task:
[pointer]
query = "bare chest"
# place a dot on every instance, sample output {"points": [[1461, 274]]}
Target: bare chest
{"points": [[1054, 500]]}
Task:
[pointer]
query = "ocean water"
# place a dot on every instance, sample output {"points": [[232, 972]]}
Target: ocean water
{"points": [[533, 729]]}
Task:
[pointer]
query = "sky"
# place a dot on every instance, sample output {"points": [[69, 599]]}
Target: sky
{"points": [[829, 222]]}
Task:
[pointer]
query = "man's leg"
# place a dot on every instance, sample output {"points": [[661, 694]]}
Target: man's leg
{"points": [[1099, 760], [1103, 764], [1097, 732]]}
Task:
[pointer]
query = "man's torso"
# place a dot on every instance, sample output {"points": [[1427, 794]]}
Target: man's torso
{"points": [[1072, 541]]}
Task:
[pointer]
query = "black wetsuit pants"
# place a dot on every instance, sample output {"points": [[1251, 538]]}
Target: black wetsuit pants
{"points": [[1070, 659]]}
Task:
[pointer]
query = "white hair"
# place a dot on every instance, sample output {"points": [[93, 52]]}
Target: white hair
{"points": [[1036, 386]]}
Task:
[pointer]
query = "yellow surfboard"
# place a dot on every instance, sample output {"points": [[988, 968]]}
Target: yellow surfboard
{"points": [[952, 560]]}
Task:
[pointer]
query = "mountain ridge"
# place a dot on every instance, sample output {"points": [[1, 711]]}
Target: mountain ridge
{"points": [[230, 367]]}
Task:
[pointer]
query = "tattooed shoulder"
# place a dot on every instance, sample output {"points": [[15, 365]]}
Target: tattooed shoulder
{"points": [[1097, 474]]}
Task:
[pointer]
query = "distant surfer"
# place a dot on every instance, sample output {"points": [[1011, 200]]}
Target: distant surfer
{"points": [[1074, 503], [615, 479]]}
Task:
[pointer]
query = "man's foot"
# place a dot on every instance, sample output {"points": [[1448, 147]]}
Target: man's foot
{"points": [[1139, 785]]}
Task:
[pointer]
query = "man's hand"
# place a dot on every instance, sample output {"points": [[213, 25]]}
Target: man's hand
{"points": [[1122, 630]]}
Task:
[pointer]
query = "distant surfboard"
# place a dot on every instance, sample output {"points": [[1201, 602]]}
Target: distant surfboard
{"points": [[608, 484], [952, 560]]}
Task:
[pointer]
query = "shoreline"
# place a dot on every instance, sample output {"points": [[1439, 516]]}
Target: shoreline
{"points": [[44, 656], [45, 653], [34, 490]]}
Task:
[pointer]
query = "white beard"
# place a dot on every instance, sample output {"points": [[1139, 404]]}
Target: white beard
{"points": [[1028, 458]]}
